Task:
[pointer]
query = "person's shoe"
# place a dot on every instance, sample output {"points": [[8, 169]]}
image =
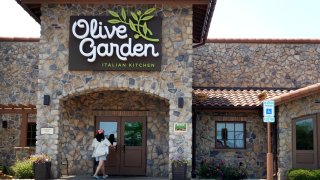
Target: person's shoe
{"points": [[105, 176], [96, 177]]}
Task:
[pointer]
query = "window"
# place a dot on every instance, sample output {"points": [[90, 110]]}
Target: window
{"points": [[230, 135], [31, 134]]}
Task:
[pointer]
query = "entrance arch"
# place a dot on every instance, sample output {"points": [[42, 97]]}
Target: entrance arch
{"points": [[78, 117]]}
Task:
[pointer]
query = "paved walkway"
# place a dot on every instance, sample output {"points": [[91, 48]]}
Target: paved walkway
{"points": [[83, 177]]}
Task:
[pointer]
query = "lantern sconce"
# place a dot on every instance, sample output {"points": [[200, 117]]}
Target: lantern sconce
{"points": [[46, 100]]}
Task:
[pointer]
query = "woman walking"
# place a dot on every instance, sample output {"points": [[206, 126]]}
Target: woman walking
{"points": [[101, 150]]}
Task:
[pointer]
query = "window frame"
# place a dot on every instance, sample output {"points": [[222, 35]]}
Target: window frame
{"points": [[27, 132], [233, 122]]}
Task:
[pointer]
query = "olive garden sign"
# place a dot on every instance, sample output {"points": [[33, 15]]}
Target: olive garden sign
{"points": [[116, 42]]}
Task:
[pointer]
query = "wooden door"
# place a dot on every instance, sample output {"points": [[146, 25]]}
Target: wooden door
{"points": [[133, 146], [111, 125], [305, 146], [129, 157]]}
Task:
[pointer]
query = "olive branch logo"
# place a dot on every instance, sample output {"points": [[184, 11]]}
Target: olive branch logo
{"points": [[140, 27]]}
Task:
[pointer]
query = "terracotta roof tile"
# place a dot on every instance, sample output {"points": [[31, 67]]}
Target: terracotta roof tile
{"points": [[231, 98], [299, 93]]}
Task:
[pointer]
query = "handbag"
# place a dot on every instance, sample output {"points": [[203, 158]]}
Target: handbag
{"points": [[101, 150]]}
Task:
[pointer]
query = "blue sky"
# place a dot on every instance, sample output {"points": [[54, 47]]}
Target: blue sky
{"points": [[231, 19]]}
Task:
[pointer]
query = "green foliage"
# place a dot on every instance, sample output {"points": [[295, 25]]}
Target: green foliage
{"points": [[211, 170], [206, 171], [140, 26], [23, 169], [305, 174], [317, 173]]}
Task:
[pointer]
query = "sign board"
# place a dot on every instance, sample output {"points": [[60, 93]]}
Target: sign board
{"points": [[46, 131], [180, 127], [116, 42], [268, 111]]}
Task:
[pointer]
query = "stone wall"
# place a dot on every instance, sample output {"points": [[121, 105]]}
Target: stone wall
{"points": [[9, 138], [10, 149], [19, 72], [78, 127], [287, 112], [173, 82], [253, 157], [256, 65]]}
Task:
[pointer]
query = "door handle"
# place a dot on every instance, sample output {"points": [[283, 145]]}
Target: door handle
{"points": [[123, 147]]}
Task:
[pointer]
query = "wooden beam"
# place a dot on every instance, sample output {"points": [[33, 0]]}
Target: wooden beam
{"points": [[23, 130], [115, 2], [18, 111]]}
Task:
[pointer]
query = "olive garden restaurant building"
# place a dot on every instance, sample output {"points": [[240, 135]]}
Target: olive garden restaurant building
{"points": [[143, 73]]}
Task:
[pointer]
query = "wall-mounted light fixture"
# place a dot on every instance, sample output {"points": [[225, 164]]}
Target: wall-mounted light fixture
{"points": [[5, 124], [46, 100]]}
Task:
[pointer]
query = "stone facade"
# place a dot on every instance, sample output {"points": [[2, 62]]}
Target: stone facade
{"points": [[10, 148], [9, 138], [252, 158], [78, 127], [287, 112], [256, 65], [18, 85], [173, 82], [19, 72]]}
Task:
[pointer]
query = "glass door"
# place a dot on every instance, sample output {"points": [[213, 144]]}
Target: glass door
{"points": [[305, 142], [129, 156], [110, 125]]}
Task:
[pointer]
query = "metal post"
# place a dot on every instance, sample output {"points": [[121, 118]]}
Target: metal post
{"points": [[269, 155]]}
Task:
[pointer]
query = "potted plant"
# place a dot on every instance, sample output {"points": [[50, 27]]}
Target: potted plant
{"points": [[179, 168], [41, 166]]}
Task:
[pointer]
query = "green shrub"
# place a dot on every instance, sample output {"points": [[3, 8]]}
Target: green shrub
{"points": [[298, 174], [210, 170], [23, 169], [207, 171], [317, 173]]}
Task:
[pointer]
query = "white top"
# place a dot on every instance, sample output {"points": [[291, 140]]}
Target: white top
{"points": [[100, 145]]}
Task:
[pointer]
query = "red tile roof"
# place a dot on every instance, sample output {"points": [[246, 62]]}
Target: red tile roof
{"points": [[231, 98], [297, 94]]}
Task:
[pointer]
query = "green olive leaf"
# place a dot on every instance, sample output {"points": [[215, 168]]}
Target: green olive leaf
{"points": [[114, 14], [150, 32], [135, 17], [139, 12], [123, 14], [149, 11], [114, 21], [136, 36], [147, 18], [145, 28], [132, 26]]}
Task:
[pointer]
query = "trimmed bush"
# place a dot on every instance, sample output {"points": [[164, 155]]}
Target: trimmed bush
{"points": [[305, 174], [317, 173], [23, 169]]}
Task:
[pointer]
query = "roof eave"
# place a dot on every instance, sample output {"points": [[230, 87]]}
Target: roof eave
{"points": [[29, 12]]}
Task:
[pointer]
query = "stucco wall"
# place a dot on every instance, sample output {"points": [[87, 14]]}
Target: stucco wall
{"points": [[288, 111], [173, 82], [19, 72], [256, 65], [252, 157]]}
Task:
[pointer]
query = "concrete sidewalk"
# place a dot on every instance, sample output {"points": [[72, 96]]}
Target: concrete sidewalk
{"points": [[83, 177]]}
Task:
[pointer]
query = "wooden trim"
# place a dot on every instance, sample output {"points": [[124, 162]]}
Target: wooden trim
{"points": [[23, 129], [231, 110], [17, 111], [115, 2], [120, 113], [18, 39]]}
